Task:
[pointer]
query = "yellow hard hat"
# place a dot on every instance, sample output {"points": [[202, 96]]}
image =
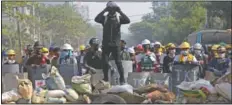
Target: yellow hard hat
{"points": [[170, 45], [228, 46], [44, 50], [214, 47], [10, 52], [185, 45], [82, 47]]}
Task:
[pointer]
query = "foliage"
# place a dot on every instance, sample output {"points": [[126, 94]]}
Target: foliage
{"points": [[172, 22]]}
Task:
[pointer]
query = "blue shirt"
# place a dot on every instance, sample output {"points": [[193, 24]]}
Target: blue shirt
{"points": [[219, 66]]}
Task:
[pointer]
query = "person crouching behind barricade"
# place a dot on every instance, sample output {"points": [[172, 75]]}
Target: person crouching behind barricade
{"points": [[158, 50], [218, 66], [185, 57], [169, 58], [11, 57], [147, 59]]}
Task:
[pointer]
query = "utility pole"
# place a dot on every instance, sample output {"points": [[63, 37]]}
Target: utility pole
{"points": [[19, 35]]}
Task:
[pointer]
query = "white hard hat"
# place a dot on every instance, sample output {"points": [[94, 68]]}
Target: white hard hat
{"points": [[146, 41], [197, 46], [67, 46], [131, 50], [157, 43]]}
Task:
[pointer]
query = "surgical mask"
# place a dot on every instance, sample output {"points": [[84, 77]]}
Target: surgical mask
{"points": [[63, 54], [223, 55], [197, 52], [184, 52]]}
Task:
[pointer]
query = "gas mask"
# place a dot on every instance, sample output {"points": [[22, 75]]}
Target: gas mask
{"points": [[185, 52], [222, 55], [197, 52]]}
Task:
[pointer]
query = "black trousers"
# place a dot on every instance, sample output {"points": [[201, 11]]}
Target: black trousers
{"points": [[115, 52]]}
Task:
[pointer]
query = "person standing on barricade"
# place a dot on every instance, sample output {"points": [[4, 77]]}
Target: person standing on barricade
{"points": [[111, 37], [66, 55], [146, 60], [220, 65], [11, 57], [169, 58]]}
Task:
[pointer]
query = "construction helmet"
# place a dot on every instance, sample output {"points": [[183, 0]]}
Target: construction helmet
{"points": [[185, 45], [214, 47], [221, 49], [10, 52], [67, 46], [94, 41], [170, 45], [146, 41], [139, 47], [44, 50], [82, 47], [228, 46], [131, 50], [197, 46], [157, 43]]}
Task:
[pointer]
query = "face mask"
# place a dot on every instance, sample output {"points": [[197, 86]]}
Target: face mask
{"points": [[184, 52], [222, 55], [198, 52], [64, 54]]}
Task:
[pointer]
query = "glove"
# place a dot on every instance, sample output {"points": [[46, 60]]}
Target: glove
{"points": [[118, 9]]}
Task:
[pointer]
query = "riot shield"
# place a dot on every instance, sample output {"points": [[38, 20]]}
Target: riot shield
{"points": [[161, 79], [10, 82], [10, 68], [67, 71], [127, 66], [138, 79], [35, 74], [183, 72]]}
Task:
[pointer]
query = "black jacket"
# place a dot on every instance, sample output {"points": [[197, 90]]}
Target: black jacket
{"points": [[111, 28]]}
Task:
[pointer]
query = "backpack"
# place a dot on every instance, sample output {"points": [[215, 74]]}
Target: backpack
{"points": [[146, 63], [106, 18]]}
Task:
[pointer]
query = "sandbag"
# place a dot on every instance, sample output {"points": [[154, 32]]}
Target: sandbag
{"points": [[102, 85], [131, 98], [51, 100], [108, 99], [81, 84], [224, 89], [150, 88], [121, 88], [71, 95], [55, 93], [25, 88], [169, 97], [39, 96], [54, 81], [10, 96]]}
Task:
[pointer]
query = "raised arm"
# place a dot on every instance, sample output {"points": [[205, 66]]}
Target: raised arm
{"points": [[100, 17]]}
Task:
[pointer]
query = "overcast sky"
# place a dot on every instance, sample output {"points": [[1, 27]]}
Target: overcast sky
{"points": [[134, 10]]}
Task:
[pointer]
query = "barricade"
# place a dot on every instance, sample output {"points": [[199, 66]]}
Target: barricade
{"points": [[35, 74], [180, 73], [67, 71]]}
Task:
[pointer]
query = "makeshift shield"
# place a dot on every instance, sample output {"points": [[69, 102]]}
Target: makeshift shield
{"points": [[127, 66], [67, 71], [184, 72], [9, 81], [161, 79], [10, 68], [35, 75], [138, 79]]}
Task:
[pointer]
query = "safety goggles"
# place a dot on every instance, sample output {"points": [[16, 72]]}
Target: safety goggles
{"points": [[45, 52]]}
